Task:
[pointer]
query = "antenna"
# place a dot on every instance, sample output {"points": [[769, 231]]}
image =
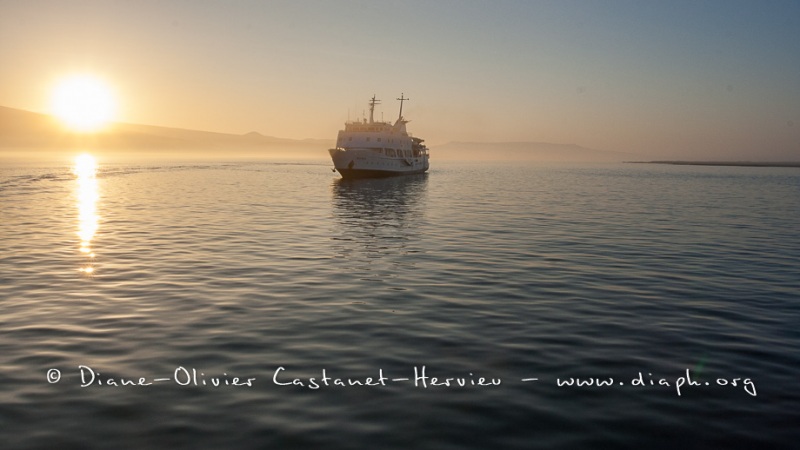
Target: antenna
{"points": [[401, 105]]}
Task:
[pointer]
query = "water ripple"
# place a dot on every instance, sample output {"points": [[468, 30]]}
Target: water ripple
{"points": [[471, 270]]}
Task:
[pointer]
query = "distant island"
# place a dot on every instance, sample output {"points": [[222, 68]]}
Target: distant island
{"points": [[721, 163]]}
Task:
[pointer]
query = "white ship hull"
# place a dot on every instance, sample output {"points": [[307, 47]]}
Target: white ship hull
{"points": [[366, 163]]}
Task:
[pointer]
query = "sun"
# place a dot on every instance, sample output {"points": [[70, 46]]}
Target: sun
{"points": [[83, 103]]}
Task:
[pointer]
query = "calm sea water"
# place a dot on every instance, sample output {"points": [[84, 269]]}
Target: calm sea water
{"points": [[676, 287]]}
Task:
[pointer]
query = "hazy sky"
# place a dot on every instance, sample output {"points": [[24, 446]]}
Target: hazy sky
{"points": [[701, 79]]}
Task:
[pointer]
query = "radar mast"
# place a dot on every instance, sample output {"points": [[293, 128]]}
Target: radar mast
{"points": [[372, 103], [401, 105]]}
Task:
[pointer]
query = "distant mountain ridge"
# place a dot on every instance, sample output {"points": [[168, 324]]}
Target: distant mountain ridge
{"points": [[26, 130]]}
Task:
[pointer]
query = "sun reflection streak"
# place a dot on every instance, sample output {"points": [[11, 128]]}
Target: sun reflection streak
{"points": [[87, 194]]}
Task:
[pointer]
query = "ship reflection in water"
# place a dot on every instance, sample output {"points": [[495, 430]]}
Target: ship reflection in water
{"points": [[87, 194], [378, 223]]}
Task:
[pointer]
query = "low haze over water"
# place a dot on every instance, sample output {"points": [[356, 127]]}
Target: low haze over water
{"points": [[675, 287]]}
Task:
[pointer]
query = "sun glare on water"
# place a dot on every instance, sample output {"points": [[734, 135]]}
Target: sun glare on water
{"points": [[87, 194], [83, 103]]}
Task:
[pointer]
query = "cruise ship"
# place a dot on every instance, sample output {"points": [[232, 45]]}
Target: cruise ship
{"points": [[370, 149]]}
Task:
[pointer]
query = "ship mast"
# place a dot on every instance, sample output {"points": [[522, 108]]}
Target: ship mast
{"points": [[401, 105], [372, 103]]}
